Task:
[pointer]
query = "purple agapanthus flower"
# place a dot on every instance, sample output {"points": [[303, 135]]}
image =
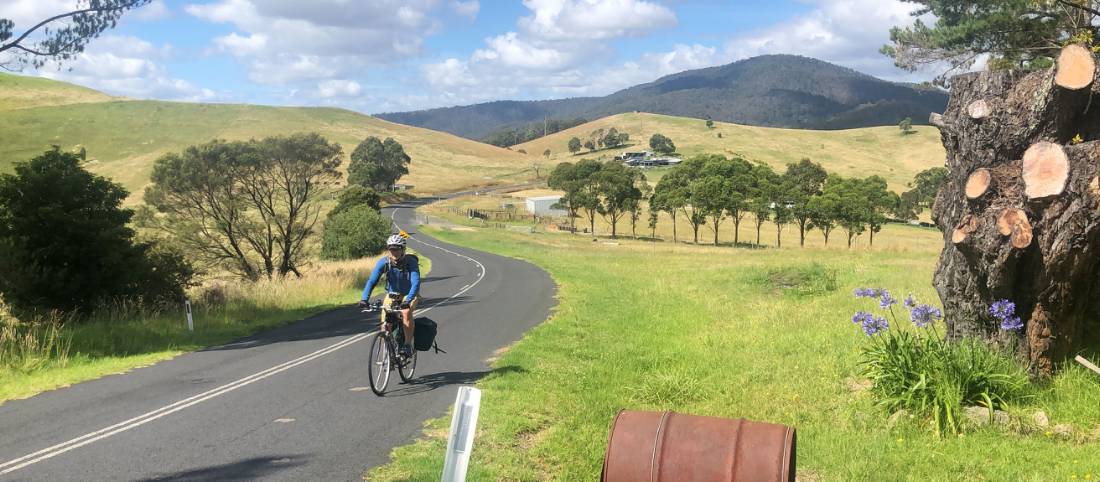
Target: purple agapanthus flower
{"points": [[885, 300], [868, 292], [874, 325], [1012, 323], [1003, 309], [861, 317], [922, 315], [910, 302]]}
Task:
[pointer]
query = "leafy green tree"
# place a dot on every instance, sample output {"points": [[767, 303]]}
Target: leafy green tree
{"points": [[709, 196], [805, 180], [62, 36], [619, 189], [591, 146], [1020, 34], [761, 208], [925, 186], [710, 124], [378, 164], [574, 145], [613, 139], [824, 213], [354, 233], [661, 144], [247, 207], [669, 195], [65, 243], [880, 201], [578, 181], [906, 126], [354, 196]]}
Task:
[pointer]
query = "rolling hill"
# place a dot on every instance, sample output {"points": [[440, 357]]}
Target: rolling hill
{"points": [[855, 152], [771, 91], [124, 137]]}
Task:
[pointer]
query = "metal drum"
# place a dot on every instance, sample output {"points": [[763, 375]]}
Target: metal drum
{"points": [[673, 447]]}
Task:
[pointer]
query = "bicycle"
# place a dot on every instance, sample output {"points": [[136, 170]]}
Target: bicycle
{"points": [[384, 356]]}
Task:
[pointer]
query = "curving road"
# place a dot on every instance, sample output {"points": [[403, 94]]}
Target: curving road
{"points": [[288, 404]]}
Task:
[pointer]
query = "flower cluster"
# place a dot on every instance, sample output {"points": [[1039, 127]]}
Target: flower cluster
{"points": [[1005, 311], [870, 323], [923, 315], [885, 300]]}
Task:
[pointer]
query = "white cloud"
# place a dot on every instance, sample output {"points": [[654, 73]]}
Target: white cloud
{"points": [[126, 66], [333, 36], [155, 10], [468, 9], [338, 88], [27, 13], [846, 32], [594, 19]]}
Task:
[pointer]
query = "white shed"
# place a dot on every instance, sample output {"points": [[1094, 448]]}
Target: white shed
{"points": [[540, 206]]}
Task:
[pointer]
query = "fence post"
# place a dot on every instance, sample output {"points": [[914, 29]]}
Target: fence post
{"points": [[461, 439], [190, 319]]}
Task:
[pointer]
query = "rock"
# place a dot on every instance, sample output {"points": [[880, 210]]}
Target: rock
{"points": [[1041, 419], [979, 416], [897, 417], [1063, 431]]}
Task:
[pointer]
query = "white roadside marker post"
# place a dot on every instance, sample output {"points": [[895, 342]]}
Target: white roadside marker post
{"points": [[190, 319], [461, 439]]}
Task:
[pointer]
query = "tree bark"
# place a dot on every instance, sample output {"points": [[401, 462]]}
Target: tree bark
{"points": [[1032, 235]]}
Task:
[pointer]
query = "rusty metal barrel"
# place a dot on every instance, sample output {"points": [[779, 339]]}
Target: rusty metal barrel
{"points": [[674, 447]]}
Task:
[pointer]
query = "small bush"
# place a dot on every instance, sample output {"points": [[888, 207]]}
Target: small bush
{"points": [[355, 233], [921, 372]]}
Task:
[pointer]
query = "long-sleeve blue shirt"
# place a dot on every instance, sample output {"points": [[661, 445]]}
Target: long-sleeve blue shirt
{"points": [[403, 277]]}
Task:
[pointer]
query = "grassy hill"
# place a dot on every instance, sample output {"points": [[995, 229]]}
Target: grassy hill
{"points": [[19, 92], [855, 152], [124, 137]]}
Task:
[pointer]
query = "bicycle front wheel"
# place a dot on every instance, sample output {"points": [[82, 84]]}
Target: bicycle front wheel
{"points": [[380, 367]]}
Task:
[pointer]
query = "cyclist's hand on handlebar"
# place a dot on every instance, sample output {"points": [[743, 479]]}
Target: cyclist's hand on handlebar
{"points": [[405, 305]]}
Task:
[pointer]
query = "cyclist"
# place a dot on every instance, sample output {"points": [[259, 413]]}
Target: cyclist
{"points": [[402, 273]]}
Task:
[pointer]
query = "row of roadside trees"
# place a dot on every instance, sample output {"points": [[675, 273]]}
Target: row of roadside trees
{"points": [[712, 190]]}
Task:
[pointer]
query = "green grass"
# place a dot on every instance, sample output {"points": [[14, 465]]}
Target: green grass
{"points": [[19, 92], [855, 152], [723, 332], [119, 341]]}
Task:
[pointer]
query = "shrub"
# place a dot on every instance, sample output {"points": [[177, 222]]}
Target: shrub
{"points": [[65, 243], [921, 372], [355, 233], [355, 195]]}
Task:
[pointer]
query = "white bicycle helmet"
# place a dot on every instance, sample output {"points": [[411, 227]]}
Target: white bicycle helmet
{"points": [[396, 240]]}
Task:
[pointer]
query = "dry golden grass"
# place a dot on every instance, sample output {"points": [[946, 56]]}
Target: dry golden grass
{"points": [[856, 152]]}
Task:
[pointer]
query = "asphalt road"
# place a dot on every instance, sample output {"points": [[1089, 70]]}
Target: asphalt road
{"points": [[290, 404]]}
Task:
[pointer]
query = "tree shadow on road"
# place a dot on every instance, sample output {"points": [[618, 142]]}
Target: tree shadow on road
{"points": [[248, 469]]}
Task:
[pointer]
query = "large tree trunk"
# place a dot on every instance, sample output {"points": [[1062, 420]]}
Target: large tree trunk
{"points": [[1020, 209]]}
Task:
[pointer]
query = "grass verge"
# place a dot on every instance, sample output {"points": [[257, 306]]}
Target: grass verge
{"points": [[121, 339], [759, 334]]}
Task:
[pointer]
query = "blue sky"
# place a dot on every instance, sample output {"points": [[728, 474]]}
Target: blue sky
{"points": [[391, 55]]}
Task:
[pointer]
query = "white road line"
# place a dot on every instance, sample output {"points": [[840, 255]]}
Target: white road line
{"points": [[55, 450]]}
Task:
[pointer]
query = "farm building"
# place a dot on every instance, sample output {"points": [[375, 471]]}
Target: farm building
{"points": [[541, 206]]}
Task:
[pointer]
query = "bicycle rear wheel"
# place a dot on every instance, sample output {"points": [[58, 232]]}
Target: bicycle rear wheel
{"points": [[380, 367], [407, 368]]}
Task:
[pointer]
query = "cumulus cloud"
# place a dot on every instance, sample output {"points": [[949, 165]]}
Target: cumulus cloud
{"points": [[334, 36], [127, 66], [594, 19], [338, 88], [846, 32]]}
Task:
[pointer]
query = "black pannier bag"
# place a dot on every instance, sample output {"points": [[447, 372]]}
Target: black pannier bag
{"points": [[424, 335]]}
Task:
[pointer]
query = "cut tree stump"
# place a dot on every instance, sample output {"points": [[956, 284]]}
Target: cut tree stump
{"points": [[978, 183], [1046, 170], [1029, 233], [979, 109], [1076, 68]]}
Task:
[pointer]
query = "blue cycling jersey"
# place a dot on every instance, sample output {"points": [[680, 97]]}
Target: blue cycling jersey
{"points": [[402, 277]]}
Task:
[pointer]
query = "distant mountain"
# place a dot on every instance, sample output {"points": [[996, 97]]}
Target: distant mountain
{"points": [[772, 91]]}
